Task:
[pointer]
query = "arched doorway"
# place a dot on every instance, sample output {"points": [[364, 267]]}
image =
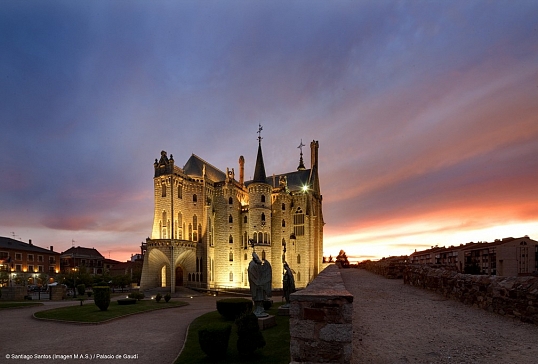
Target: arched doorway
{"points": [[179, 276]]}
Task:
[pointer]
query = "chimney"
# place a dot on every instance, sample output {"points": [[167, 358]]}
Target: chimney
{"points": [[241, 170], [314, 145], [30, 241], [51, 248]]}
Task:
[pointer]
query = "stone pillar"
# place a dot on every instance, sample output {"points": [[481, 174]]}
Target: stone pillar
{"points": [[321, 322]]}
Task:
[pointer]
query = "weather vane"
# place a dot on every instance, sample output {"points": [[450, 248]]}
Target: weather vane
{"points": [[260, 133]]}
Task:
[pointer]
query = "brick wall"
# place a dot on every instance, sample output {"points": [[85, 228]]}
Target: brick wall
{"points": [[321, 320], [510, 296]]}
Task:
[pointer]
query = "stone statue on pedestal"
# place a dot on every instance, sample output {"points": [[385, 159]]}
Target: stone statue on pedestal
{"points": [[260, 280], [288, 284]]}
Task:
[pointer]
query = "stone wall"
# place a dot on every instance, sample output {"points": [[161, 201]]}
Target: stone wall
{"points": [[510, 296], [387, 269], [13, 293], [321, 319]]}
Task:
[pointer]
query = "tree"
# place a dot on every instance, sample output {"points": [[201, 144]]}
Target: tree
{"points": [[341, 260]]}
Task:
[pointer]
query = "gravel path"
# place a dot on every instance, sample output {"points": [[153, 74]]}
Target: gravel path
{"points": [[397, 323]]}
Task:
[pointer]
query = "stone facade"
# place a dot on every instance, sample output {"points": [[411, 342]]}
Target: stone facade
{"points": [[321, 321], [510, 296], [206, 221]]}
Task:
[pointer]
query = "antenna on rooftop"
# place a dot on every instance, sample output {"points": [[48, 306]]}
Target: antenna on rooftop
{"points": [[72, 243]]}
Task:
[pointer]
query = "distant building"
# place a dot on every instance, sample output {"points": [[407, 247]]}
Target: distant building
{"points": [[76, 257], [24, 263], [506, 257], [206, 220]]}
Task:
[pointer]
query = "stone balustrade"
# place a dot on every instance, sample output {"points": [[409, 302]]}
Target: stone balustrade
{"points": [[321, 317]]}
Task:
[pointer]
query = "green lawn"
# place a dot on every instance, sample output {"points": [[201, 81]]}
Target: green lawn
{"points": [[13, 304], [90, 313], [275, 351]]}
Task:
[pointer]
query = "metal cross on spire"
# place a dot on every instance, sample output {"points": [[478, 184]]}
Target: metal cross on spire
{"points": [[260, 133], [301, 146]]}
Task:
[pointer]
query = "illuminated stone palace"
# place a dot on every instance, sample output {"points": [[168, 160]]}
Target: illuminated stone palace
{"points": [[207, 222]]}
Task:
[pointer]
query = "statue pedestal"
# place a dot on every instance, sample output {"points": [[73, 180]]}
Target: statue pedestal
{"points": [[266, 322], [284, 311]]}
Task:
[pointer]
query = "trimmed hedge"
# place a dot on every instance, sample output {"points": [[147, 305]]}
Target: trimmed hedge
{"points": [[249, 336], [126, 301], [102, 297], [214, 339], [137, 295], [232, 308]]}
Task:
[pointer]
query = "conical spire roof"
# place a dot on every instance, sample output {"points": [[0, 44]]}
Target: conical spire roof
{"points": [[259, 171]]}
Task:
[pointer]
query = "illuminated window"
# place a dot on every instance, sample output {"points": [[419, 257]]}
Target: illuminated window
{"points": [[298, 222]]}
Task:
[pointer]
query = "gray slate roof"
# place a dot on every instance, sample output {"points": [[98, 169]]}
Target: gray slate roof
{"points": [[8, 243]]}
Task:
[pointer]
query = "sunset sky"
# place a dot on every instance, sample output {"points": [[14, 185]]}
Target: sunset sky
{"points": [[426, 113]]}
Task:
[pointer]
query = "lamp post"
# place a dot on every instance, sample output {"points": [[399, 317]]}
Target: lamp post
{"points": [[75, 283]]}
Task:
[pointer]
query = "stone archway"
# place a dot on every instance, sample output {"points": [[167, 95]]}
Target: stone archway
{"points": [[179, 276]]}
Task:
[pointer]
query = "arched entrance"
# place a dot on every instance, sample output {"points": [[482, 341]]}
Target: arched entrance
{"points": [[179, 276]]}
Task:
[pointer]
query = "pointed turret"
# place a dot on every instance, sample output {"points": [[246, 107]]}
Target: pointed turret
{"points": [[259, 171]]}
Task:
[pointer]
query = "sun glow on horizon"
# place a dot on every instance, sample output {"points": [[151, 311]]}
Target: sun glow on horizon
{"points": [[399, 240]]}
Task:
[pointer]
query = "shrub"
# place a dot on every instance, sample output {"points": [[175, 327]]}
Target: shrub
{"points": [[102, 297], [137, 295], [214, 339], [159, 297], [167, 297], [89, 293], [81, 289], [126, 301], [249, 336], [232, 308]]}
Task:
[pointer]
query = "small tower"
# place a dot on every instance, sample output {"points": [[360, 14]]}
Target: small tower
{"points": [[259, 192]]}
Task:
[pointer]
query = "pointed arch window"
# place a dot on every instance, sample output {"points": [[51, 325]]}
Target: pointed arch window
{"points": [[231, 257], [194, 198], [298, 258], [231, 276], [230, 201], [263, 217], [263, 254], [283, 207], [283, 223], [231, 239], [245, 219], [230, 219]]}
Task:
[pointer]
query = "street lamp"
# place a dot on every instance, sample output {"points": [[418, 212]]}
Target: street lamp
{"points": [[75, 283]]}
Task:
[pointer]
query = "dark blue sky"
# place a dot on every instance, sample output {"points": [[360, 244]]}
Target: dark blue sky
{"points": [[426, 113]]}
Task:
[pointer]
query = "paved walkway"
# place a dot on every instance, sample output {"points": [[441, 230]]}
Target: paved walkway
{"points": [[154, 337], [397, 323]]}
